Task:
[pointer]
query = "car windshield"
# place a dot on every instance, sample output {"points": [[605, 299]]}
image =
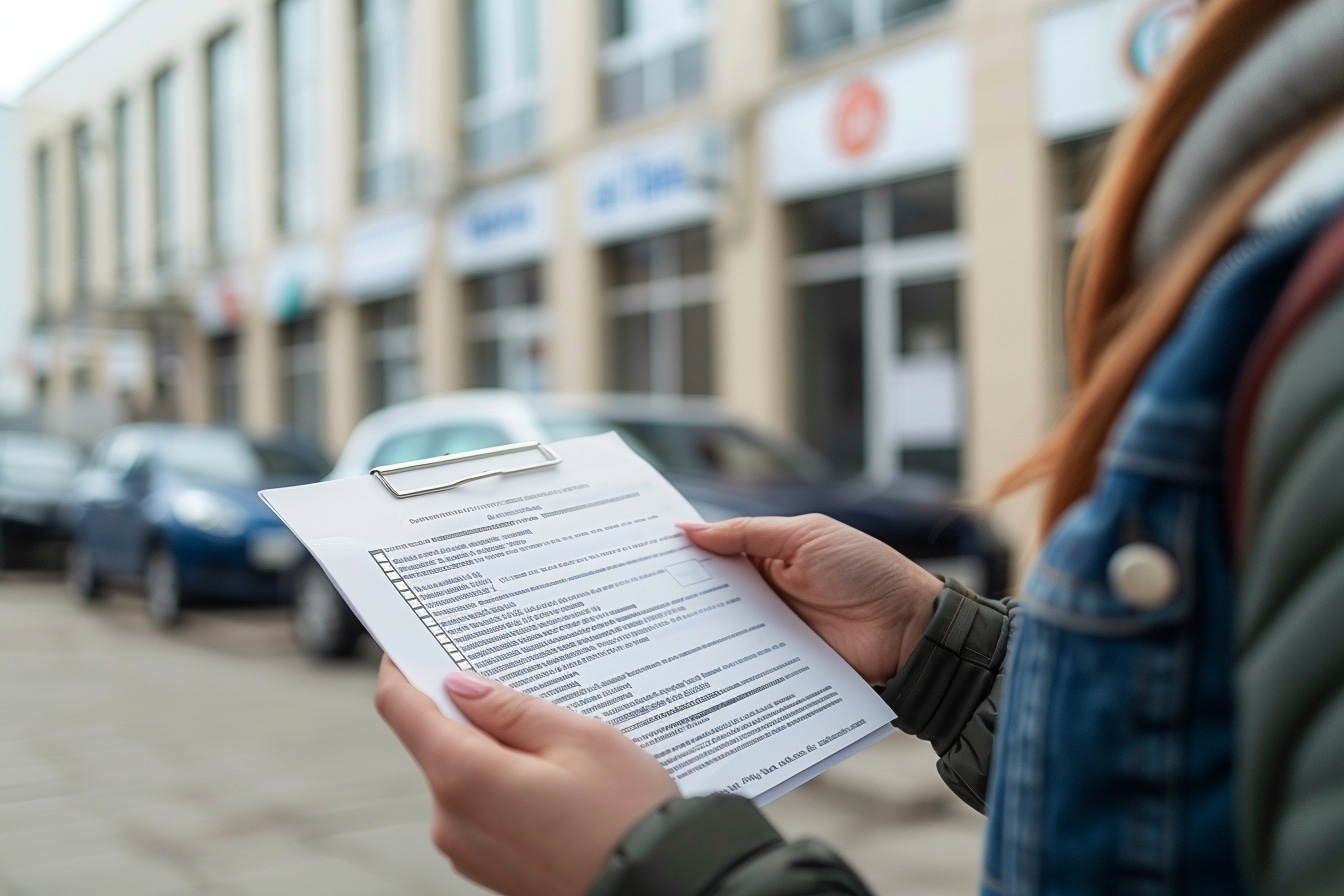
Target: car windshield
{"points": [[39, 462], [719, 450], [228, 458]]}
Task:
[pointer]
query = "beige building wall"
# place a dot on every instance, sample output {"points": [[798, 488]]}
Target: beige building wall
{"points": [[1006, 210]]}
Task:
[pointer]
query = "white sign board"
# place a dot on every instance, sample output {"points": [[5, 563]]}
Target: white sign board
{"points": [[297, 275], [1094, 57], [501, 226], [903, 115], [655, 183], [383, 256]]}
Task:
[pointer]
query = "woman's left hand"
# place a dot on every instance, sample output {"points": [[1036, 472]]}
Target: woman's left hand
{"points": [[534, 798]]}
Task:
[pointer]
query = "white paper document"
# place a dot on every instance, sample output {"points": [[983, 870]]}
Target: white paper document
{"points": [[572, 583]]}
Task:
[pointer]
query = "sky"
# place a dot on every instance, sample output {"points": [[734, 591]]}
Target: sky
{"points": [[37, 33]]}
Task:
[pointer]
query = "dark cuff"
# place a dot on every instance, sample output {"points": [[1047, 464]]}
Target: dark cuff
{"points": [[953, 669], [685, 847]]}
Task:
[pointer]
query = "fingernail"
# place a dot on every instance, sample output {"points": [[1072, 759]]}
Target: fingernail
{"points": [[691, 526], [465, 684]]}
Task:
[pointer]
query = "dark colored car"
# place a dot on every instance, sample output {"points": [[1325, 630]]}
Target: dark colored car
{"points": [[35, 472], [723, 467], [175, 508]]}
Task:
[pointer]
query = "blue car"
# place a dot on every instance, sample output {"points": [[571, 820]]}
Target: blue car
{"points": [[174, 508]]}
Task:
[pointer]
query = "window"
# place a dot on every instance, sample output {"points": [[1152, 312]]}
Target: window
{"points": [[661, 305], [165, 168], [1076, 164], [819, 26], [298, 81], [503, 93], [81, 155], [301, 372], [46, 276], [225, 379], [384, 119], [121, 190], [508, 330], [226, 116], [390, 352], [653, 54]]}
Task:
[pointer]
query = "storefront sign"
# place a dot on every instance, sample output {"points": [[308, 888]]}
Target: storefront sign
{"points": [[127, 358], [501, 226], [655, 183], [383, 256], [1093, 58], [296, 279], [39, 353], [219, 302], [903, 115]]}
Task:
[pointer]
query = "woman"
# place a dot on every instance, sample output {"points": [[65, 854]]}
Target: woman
{"points": [[1191, 563]]}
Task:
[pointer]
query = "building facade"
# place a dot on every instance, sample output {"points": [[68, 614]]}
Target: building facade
{"points": [[845, 218]]}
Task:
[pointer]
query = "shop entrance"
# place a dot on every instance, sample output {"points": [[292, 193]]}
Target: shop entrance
{"points": [[881, 385]]}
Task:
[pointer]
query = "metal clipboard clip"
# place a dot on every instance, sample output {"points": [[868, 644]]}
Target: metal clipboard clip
{"points": [[549, 459]]}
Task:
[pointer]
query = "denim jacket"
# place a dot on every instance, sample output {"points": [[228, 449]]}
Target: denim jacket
{"points": [[1112, 770]]}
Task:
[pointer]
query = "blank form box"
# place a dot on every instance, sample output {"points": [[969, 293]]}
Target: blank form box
{"points": [[689, 572]]}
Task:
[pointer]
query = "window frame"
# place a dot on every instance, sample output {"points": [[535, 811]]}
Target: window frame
{"points": [[641, 47], [226, 146], [298, 117], [383, 146], [164, 100], [519, 96]]}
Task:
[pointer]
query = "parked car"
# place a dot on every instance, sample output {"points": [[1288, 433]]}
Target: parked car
{"points": [[723, 467], [174, 508], [35, 471]]}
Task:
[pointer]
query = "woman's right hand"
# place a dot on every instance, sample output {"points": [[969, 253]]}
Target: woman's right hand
{"points": [[865, 599]]}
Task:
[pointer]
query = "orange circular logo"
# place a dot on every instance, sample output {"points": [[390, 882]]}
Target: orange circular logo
{"points": [[860, 117]]}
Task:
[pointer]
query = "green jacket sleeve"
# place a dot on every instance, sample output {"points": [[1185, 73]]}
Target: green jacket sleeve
{"points": [[1290, 616], [722, 846]]}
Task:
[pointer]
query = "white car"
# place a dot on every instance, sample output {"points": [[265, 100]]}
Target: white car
{"points": [[724, 468]]}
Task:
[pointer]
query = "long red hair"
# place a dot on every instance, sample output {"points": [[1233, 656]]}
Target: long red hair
{"points": [[1115, 321]]}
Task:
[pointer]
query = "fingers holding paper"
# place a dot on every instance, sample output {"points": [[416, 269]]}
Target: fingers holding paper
{"points": [[867, 600], [531, 800]]}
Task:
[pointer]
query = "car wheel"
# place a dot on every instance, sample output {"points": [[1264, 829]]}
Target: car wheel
{"points": [[323, 625], [81, 577], [163, 588]]}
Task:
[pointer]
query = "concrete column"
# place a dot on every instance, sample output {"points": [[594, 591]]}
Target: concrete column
{"points": [[1005, 201], [342, 367], [753, 356], [572, 278], [259, 371]]}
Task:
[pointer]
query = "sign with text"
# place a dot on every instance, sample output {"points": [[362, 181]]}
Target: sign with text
{"points": [[903, 115], [383, 256], [501, 226]]}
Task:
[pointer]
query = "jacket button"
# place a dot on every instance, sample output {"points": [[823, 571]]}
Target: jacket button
{"points": [[1143, 576]]}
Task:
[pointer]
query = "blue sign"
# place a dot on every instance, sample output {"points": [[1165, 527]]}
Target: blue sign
{"points": [[502, 225]]}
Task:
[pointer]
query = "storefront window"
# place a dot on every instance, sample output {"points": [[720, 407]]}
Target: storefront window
{"points": [[653, 54], [924, 205], [225, 379], [390, 352], [1077, 164], [503, 69], [831, 222], [508, 330], [384, 114], [301, 372], [819, 26], [661, 304]]}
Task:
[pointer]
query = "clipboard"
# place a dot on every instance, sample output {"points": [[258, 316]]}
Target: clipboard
{"points": [[549, 459]]}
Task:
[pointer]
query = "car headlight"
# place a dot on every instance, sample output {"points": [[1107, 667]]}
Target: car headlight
{"points": [[209, 513]]}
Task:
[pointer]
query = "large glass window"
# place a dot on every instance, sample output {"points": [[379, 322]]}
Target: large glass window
{"points": [[46, 276], [508, 330], [384, 113], [165, 168], [121, 190], [390, 352], [298, 98], [225, 379], [503, 91], [301, 374], [81, 154], [818, 26], [226, 117], [660, 294], [653, 54]]}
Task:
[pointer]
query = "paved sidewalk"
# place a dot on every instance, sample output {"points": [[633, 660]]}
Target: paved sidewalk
{"points": [[216, 761]]}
